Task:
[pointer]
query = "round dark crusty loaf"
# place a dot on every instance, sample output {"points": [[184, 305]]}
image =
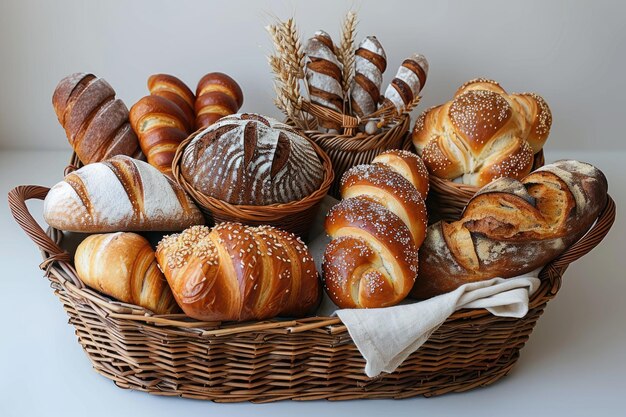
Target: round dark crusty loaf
{"points": [[95, 122], [253, 160], [512, 227]]}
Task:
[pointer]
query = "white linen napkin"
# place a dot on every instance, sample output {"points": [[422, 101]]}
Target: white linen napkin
{"points": [[387, 336]]}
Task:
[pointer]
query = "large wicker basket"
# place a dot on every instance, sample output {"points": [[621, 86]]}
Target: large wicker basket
{"points": [[448, 199], [295, 216], [308, 359]]}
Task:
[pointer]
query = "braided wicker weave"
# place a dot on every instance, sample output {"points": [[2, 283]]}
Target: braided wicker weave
{"points": [[306, 359]]}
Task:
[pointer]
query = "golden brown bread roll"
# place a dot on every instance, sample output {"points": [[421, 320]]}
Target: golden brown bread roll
{"points": [[217, 95], [173, 89], [95, 122], [376, 229], [482, 134], [120, 194], [161, 126], [123, 266], [510, 227], [238, 273]]}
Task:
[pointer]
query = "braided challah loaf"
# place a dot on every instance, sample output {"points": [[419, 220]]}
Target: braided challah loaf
{"points": [[95, 122], [370, 63], [173, 89], [217, 95], [482, 134], [123, 266], [161, 126], [376, 229], [236, 272], [323, 75], [510, 227]]}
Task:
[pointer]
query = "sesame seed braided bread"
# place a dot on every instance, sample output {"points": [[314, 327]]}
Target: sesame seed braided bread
{"points": [[482, 134], [237, 273], [376, 229]]}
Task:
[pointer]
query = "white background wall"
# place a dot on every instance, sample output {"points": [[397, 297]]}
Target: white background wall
{"points": [[572, 53]]}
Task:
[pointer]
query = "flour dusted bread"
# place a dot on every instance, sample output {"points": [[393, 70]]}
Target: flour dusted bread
{"points": [[121, 194], [370, 64], [235, 272], [512, 227], [252, 160], [123, 266]]}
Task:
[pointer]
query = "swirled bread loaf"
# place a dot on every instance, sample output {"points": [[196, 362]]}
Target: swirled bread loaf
{"points": [[251, 159]]}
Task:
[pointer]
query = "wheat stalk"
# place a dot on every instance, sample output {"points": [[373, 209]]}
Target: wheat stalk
{"points": [[346, 51]]}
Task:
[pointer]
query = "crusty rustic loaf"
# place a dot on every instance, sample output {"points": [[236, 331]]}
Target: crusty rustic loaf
{"points": [[370, 63], [482, 134], [95, 122], [376, 229], [253, 160], [323, 74], [407, 83], [175, 90], [161, 126], [237, 273], [510, 227], [123, 266], [217, 95], [120, 194]]}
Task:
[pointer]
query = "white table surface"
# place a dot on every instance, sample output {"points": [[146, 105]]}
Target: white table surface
{"points": [[574, 363]]}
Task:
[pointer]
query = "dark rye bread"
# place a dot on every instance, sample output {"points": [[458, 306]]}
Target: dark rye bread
{"points": [[248, 159], [512, 227], [95, 122]]}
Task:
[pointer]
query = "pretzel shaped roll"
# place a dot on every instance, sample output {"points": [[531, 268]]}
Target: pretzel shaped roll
{"points": [[161, 126], [173, 89], [376, 230], [217, 95], [482, 134]]}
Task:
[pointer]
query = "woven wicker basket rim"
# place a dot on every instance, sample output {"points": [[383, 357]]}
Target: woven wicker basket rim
{"points": [[59, 262], [269, 212]]}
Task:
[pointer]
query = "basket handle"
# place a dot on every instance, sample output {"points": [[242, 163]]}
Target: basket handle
{"points": [[593, 237], [17, 203]]}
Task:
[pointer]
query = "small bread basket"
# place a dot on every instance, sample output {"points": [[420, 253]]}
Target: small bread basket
{"points": [[295, 216]]}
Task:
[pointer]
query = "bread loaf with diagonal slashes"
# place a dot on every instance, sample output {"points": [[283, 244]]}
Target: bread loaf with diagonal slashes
{"points": [[120, 194], [512, 227], [370, 64], [253, 160]]}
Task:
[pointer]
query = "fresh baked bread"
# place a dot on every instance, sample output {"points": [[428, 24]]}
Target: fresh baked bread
{"points": [[512, 227], [323, 74], [252, 160], [238, 273], [95, 122], [376, 229], [217, 95], [173, 89], [482, 134], [120, 194], [370, 63], [407, 83], [161, 126], [123, 266]]}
